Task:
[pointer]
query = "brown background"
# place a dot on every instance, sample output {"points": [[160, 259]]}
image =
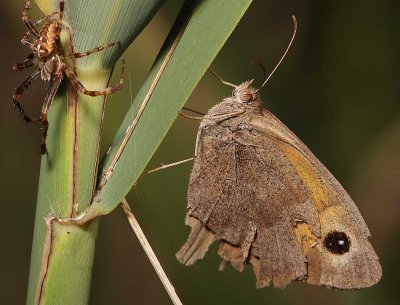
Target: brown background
{"points": [[337, 90]]}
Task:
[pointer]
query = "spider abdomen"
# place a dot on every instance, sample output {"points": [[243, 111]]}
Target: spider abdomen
{"points": [[47, 39]]}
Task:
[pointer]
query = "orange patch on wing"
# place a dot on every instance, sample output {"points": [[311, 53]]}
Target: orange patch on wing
{"points": [[304, 235], [319, 191]]}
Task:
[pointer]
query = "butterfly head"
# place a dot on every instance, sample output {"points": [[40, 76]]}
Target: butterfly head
{"points": [[246, 94]]}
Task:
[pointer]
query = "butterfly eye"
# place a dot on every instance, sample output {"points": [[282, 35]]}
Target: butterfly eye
{"points": [[246, 97], [337, 242]]}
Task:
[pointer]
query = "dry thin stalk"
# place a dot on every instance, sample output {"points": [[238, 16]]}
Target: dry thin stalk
{"points": [[150, 253]]}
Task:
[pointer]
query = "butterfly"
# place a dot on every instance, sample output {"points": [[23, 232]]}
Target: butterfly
{"points": [[257, 189]]}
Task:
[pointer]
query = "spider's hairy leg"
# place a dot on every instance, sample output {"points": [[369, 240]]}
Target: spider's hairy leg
{"points": [[25, 64], [28, 33], [45, 110], [18, 94], [25, 18], [45, 18], [95, 50], [81, 88], [27, 43]]}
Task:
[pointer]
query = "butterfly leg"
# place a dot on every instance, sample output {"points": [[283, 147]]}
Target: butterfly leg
{"points": [[165, 166], [191, 117]]}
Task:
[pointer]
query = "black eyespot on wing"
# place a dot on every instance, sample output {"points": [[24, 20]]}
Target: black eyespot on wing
{"points": [[337, 242]]}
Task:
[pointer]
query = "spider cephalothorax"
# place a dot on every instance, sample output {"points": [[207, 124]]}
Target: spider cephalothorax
{"points": [[47, 54]]}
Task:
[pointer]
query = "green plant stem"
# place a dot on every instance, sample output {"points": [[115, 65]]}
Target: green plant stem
{"points": [[61, 262]]}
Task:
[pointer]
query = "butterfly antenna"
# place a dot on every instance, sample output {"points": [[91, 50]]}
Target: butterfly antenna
{"points": [[284, 54], [221, 80], [261, 66]]}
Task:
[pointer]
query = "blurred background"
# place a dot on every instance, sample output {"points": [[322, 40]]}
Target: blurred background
{"points": [[337, 90]]}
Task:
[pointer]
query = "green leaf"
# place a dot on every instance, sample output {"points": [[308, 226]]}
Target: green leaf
{"points": [[208, 29]]}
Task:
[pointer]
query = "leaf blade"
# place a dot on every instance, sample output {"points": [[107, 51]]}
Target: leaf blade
{"points": [[207, 31]]}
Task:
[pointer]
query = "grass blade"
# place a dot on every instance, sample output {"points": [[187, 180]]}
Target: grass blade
{"points": [[205, 34]]}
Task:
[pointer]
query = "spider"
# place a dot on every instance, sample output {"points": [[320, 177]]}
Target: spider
{"points": [[47, 54]]}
